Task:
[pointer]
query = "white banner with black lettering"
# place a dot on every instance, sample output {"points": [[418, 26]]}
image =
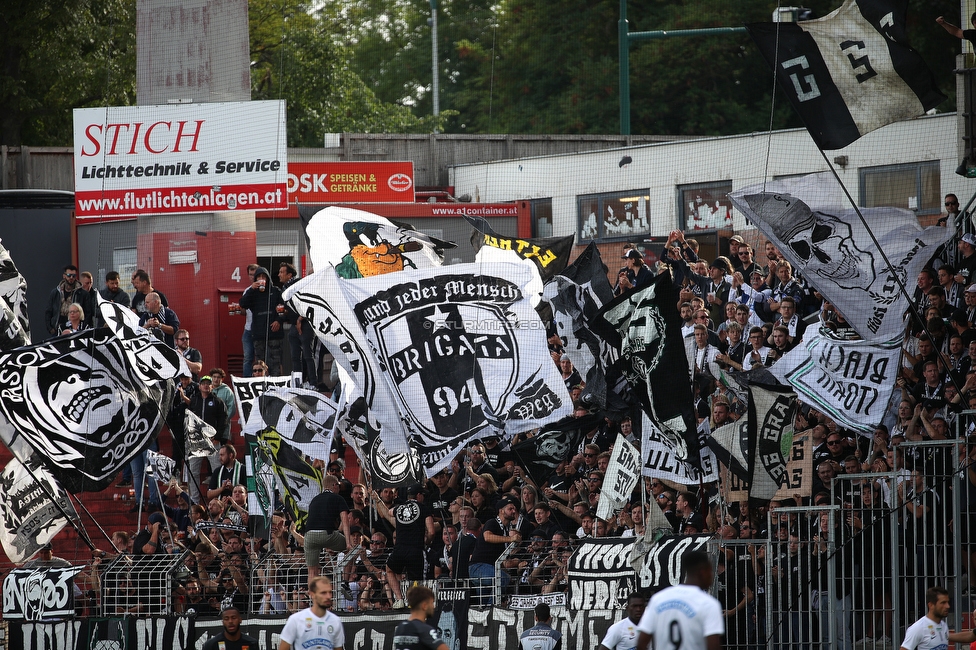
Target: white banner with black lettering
{"points": [[623, 472], [464, 353], [29, 519], [247, 388], [33, 594], [850, 381], [600, 574], [771, 413], [659, 461]]}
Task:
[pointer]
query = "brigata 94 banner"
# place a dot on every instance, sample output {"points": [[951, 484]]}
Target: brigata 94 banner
{"points": [[178, 158]]}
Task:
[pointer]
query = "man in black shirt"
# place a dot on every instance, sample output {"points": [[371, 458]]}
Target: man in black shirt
{"points": [[414, 529], [231, 638], [230, 473], [327, 525], [497, 533], [414, 633]]}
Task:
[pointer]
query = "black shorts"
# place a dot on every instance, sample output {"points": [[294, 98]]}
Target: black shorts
{"points": [[408, 561]]}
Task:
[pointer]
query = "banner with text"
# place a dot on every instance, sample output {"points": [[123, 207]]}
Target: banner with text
{"points": [[351, 182], [850, 381], [179, 158]]}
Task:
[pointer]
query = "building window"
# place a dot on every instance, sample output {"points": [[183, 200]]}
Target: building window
{"points": [[915, 186], [619, 215], [705, 206], [541, 217]]}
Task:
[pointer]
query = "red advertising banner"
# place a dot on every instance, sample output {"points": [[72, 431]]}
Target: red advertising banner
{"points": [[351, 182]]}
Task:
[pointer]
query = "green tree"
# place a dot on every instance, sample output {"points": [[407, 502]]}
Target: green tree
{"points": [[297, 56], [57, 56]]}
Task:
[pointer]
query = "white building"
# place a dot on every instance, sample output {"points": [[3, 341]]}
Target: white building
{"points": [[648, 190]]}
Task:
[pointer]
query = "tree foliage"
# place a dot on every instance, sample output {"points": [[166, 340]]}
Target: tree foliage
{"points": [[61, 55], [532, 66]]}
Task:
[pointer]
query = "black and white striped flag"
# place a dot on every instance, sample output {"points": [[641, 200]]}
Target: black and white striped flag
{"points": [[850, 72]]}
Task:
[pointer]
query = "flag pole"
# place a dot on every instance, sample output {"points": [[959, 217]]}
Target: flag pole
{"points": [[78, 529], [901, 285]]}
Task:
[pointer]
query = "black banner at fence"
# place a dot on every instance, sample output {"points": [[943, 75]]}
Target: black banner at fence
{"points": [[35, 594], [600, 575], [116, 633]]}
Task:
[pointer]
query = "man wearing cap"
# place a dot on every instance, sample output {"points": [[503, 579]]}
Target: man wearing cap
{"points": [[45, 559], [734, 242], [497, 533], [149, 540], [541, 636], [966, 259], [414, 530], [635, 275]]}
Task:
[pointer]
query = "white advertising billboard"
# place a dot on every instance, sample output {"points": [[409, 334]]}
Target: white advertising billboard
{"points": [[179, 158]]}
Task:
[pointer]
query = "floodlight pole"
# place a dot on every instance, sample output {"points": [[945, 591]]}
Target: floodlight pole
{"points": [[434, 62], [625, 38]]}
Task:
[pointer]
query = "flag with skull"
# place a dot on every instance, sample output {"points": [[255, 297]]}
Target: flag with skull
{"points": [[822, 236]]}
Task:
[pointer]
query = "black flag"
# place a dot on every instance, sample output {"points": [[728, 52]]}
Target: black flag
{"points": [[557, 442], [550, 254], [849, 72], [645, 326]]}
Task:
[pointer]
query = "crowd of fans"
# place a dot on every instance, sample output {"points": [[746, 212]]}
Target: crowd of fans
{"points": [[484, 520]]}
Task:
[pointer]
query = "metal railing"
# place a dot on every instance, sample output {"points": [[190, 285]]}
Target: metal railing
{"points": [[143, 585]]}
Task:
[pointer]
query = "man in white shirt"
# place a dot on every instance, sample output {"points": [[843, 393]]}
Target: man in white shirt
{"points": [[623, 634], [314, 628], [931, 631], [684, 616]]}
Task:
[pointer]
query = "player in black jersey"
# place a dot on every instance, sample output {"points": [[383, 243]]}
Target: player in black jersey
{"points": [[414, 633]]}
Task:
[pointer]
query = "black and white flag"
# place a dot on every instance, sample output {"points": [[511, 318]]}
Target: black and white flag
{"points": [[600, 574], [248, 388], [850, 72], [78, 401], [826, 242], [554, 444], [575, 296], [645, 326], [319, 298], [623, 473], [152, 359], [41, 593], [163, 468], [771, 413], [659, 459], [198, 435], [850, 381], [303, 418], [15, 330], [658, 565], [465, 354], [731, 446], [361, 244], [29, 518]]}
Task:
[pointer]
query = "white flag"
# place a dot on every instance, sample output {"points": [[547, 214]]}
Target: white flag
{"points": [[823, 238], [623, 473], [850, 381]]}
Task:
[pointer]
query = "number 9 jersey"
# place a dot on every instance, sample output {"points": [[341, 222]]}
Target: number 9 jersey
{"points": [[681, 618]]}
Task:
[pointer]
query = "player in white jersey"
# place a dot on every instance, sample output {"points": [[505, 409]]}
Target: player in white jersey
{"points": [[623, 634], [931, 632], [684, 616], [315, 628]]}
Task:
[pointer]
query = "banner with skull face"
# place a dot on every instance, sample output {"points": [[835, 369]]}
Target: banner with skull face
{"points": [[555, 444], [81, 405], [303, 418], [152, 359], [464, 354], [645, 326], [823, 238]]}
